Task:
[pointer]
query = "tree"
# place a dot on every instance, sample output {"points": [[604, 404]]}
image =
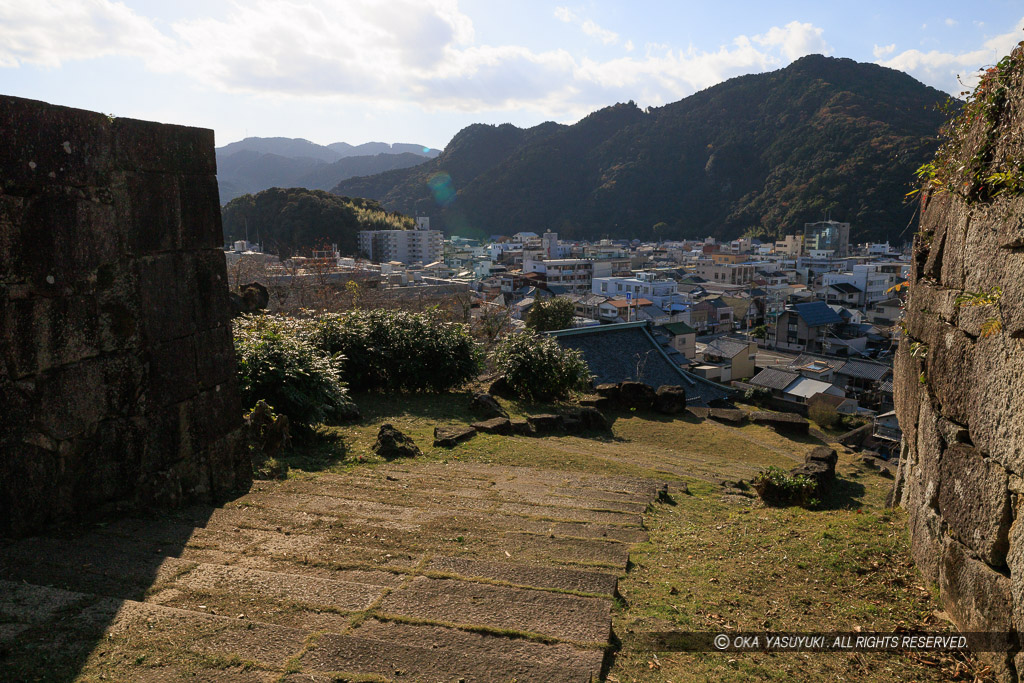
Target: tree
{"points": [[550, 314], [759, 332]]}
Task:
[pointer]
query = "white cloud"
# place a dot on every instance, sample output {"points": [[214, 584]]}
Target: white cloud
{"points": [[950, 22], [370, 53], [49, 32], [881, 51], [952, 71], [795, 40], [604, 35], [564, 14]]}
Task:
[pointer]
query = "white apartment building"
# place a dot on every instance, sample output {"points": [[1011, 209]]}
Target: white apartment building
{"points": [[726, 273], [645, 285], [574, 273], [421, 245], [873, 279]]}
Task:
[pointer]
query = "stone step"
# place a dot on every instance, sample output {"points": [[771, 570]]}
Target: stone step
{"points": [[344, 656], [536, 576], [565, 617]]}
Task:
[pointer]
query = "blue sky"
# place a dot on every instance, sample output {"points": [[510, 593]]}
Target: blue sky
{"points": [[420, 70]]}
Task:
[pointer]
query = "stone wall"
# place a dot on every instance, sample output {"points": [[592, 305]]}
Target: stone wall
{"points": [[959, 381], [117, 375]]}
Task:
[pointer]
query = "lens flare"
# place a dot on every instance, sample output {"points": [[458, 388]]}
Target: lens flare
{"points": [[441, 187]]}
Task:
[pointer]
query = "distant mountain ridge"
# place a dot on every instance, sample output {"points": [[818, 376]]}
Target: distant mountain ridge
{"points": [[759, 154], [254, 164]]}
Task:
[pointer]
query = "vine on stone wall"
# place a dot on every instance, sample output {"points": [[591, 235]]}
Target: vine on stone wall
{"points": [[973, 135]]}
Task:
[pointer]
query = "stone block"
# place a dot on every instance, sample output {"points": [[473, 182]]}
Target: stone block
{"points": [[449, 435], [728, 415], [172, 371], [215, 413], [495, 425], [670, 400], [166, 298], [979, 599], [215, 357], [42, 139], [546, 423], [163, 148], [974, 500], [784, 423], [391, 443], [486, 405], [154, 206], [206, 276], [636, 395], [199, 200]]}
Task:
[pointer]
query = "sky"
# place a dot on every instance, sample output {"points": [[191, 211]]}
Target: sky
{"points": [[419, 71]]}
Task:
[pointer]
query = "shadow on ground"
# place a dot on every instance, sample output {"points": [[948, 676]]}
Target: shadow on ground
{"points": [[59, 593]]}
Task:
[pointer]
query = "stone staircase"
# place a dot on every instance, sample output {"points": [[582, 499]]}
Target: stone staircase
{"points": [[410, 572]]}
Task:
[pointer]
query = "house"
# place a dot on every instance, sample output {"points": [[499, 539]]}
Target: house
{"points": [[683, 338], [887, 433], [630, 352], [792, 386], [803, 327], [737, 355], [621, 310], [843, 293], [886, 312]]}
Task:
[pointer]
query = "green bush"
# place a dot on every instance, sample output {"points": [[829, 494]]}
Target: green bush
{"points": [[758, 396], [397, 350], [776, 486], [537, 367], [824, 414], [278, 364], [550, 314]]}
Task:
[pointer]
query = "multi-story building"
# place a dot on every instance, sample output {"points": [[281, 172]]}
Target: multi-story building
{"points": [[647, 285], [827, 236], [726, 273], [421, 245]]}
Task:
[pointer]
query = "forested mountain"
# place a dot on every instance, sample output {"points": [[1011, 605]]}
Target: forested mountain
{"points": [[759, 154], [295, 220], [256, 164]]}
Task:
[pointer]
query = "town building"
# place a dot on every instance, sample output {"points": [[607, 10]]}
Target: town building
{"points": [[421, 245]]}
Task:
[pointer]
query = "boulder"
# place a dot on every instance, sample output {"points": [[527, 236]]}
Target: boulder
{"points": [[392, 443], [588, 418], [347, 412], [496, 425], [636, 395], [784, 423], [728, 415], [546, 423], [699, 412], [487, 405], [500, 387], [449, 435], [601, 403], [610, 391], [820, 466], [522, 427], [670, 399]]}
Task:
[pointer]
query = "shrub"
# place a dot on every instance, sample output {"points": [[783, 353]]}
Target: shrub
{"points": [[396, 350], [758, 396], [824, 414], [277, 364], [776, 486], [537, 367], [550, 314]]}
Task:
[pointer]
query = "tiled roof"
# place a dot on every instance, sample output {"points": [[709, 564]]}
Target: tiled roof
{"points": [[864, 370], [614, 353], [886, 387], [817, 313], [679, 328], [726, 348], [773, 378]]}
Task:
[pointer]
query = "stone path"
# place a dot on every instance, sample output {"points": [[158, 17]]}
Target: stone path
{"points": [[411, 572]]}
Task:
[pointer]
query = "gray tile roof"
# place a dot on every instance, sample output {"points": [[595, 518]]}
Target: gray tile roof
{"points": [[615, 353], [860, 369], [773, 378], [726, 348], [817, 313], [845, 288]]}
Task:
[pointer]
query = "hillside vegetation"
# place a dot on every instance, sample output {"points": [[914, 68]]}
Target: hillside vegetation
{"points": [[758, 154], [295, 219]]}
